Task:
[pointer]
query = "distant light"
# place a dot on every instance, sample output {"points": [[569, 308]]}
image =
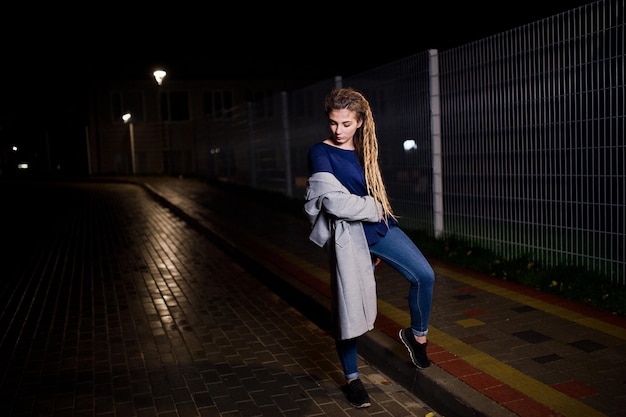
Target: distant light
{"points": [[14, 148], [409, 144], [159, 75], [126, 117], [23, 165]]}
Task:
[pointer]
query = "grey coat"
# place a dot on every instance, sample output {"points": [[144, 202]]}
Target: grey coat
{"points": [[336, 215]]}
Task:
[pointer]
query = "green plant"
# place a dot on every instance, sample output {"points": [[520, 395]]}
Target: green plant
{"points": [[572, 282]]}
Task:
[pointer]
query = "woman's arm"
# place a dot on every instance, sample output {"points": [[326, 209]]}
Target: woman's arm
{"points": [[325, 192], [351, 207]]}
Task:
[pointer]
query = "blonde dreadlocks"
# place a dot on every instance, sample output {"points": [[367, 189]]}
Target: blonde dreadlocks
{"points": [[365, 141]]}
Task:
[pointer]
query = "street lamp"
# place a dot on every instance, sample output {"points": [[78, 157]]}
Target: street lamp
{"points": [[159, 75], [128, 119]]}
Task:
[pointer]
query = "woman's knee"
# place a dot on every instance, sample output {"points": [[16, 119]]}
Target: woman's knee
{"points": [[427, 276]]}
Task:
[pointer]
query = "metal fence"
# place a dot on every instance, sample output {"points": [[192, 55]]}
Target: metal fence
{"points": [[517, 142]]}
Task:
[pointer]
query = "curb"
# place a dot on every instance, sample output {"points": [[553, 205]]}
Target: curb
{"points": [[446, 394]]}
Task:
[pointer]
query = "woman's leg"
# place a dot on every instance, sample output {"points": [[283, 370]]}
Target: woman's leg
{"points": [[347, 351], [399, 251], [354, 389]]}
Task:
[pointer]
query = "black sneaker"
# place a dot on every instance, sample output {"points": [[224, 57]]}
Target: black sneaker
{"points": [[355, 391], [417, 351]]}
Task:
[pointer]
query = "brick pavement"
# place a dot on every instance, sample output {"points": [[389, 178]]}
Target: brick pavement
{"points": [[114, 306], [498, 349]]}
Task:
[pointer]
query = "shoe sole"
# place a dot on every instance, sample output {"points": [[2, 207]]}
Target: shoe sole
{"points": [[408, 347], [364, 405]]}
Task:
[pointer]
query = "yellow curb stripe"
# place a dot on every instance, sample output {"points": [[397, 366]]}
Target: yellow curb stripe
{"points": [[557, 311], [536, 390]]}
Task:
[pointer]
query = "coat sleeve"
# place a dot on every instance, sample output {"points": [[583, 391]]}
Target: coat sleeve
{"points": [[326, 193], [351, 207]]}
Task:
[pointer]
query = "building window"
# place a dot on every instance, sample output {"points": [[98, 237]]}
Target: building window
{"points": [[263, 103], [217, 104], [175, 106]]}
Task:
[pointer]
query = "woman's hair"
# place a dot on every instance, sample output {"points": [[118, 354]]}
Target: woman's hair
{"points": [[365, 141]]}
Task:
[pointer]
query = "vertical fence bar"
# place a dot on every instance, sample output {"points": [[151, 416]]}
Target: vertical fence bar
{"points": [[252, 145], [286, 143], [338, 81], [435, 123]]}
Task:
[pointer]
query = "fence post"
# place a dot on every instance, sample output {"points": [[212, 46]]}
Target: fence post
{"points": [[435, 134], [285, 113], [251, 145]]}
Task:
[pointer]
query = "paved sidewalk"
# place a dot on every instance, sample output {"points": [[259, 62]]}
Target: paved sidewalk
{"points": [[112, 306], [498, 349]]}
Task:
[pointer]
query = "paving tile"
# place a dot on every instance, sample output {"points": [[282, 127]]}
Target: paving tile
{"points": [[532, 336], [587, 345]]}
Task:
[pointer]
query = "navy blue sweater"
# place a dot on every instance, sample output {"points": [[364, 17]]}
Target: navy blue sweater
{"points": [[345, 166]]}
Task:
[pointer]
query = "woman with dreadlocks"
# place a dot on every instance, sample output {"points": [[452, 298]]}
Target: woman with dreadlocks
{"points": [[350, 214]]}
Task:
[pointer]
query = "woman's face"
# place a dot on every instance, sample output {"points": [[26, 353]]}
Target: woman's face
{"points": [[343, 124]]}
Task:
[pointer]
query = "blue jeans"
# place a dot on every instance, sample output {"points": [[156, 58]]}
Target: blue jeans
{"points": [[398, 250]]}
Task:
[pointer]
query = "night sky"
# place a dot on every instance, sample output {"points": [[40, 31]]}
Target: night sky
{"points": [[49, 55]]}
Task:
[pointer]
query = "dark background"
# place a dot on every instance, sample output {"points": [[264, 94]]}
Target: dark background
{"points": [[50, 53]]}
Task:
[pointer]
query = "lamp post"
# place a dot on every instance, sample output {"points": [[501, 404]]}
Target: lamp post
{"points": [[128, 119], [159, 76]]}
